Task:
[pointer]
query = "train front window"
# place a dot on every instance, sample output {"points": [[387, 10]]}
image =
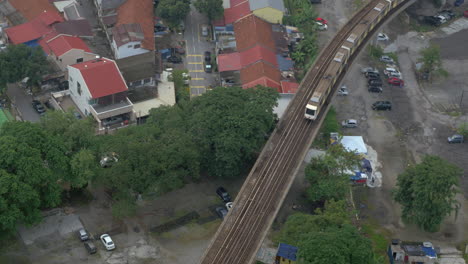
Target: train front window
{"points": [[310, 112]]}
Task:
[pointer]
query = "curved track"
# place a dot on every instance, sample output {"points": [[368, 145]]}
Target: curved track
{"points": [[240, 235]]}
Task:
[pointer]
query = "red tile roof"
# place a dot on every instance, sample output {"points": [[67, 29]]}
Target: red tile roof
{"points": [[229, 62], [252, 30], [236, 61], [139, 12], [258, 73], [64, 43], [289, 87], [236, 12], [102, 77], [236, 2], [30, 9], [34, 29], [44, 39]]}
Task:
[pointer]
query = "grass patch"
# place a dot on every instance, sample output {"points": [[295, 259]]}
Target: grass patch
{"points": [[454, 113], [330, 124]]}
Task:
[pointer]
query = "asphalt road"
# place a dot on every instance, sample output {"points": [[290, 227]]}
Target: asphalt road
{"points": [[196, 45], [22, 101]]}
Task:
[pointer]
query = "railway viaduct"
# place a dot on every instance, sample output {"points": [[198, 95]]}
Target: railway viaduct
{"points": [[240, 235]]}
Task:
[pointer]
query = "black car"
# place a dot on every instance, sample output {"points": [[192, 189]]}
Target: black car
{"points": [[372, 74], [375, 82], [174, 59], [432, 20], [449, 14], [221, 212], [38, 107], [223, 194], [90, 247], [374, 78], [382, 105], [375, 89], [207, 56]]}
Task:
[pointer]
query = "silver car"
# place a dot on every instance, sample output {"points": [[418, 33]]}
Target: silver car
{"points": [[455, 139], [386, 59], [349, 123]]}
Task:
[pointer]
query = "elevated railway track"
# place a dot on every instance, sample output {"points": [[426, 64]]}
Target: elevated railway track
{"points": [[242, 231]]}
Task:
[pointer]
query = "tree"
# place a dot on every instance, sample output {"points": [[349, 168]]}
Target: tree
{"points": [[230, 126], [327, 174], [213, 9], [431, 60], [174, 11], [427, 192], [20, 61], [180, 86]]}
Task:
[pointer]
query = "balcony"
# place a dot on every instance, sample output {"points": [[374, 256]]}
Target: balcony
{"points": [[102, 112]]}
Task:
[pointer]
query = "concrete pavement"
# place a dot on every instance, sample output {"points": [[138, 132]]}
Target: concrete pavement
{"points": [[196, 45], [22, 101]]}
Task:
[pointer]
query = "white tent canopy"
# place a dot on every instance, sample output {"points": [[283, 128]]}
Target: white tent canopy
{"points": [[355, 144]]}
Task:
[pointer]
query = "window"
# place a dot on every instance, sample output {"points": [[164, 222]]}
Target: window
{"points": [[147, 80], [129, 46], [79, 60], [78, 85], [137, 46], [92, 101]]}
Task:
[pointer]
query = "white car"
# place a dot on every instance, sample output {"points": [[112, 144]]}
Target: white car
{"points": [[322, 26], [442, 19], [229, 206], [382, 37], [392, 72], [386, 59], [107, 241], [349, 123], [343, 90]]}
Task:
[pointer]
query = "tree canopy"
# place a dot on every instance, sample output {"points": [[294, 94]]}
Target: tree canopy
{"points": [[327, 174], [20, 61], [174, 11], [213, 9], [427, 192]]}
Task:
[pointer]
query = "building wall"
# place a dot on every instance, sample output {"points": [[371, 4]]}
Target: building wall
{"points": [[71, 57], [75, 77], [270, 14], [127, 49]]}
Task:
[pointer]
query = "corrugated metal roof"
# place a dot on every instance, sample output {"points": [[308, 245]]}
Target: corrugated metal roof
{"points": [[235, 13], [258, 4], [287, 251], [251, 30], [285, 64]]}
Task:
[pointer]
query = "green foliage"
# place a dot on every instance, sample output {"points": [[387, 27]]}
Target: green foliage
{"points": [[123, 208], [230, 125], [20, 61], [463, 129], [181, 89], [327, 174], [375, 51], [330, 124], [213, 9], [432, 62], [173, 11], [427, 192]]}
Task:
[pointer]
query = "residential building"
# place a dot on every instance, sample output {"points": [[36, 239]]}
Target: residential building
{"points": [[140, 70], [270, 10], [22, 11], [66, 50], [98, 89], [127, 40], [400, 252], [286, 254], [79, 28]]}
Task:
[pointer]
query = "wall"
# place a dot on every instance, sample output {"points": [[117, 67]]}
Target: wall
{"points": [[271, 15], [80, 100], [70, 57], [124, 50]]}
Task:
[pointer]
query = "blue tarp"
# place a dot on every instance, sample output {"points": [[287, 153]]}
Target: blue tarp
{"points": [[165, 53], [287, 251], [430, 251], [285, 64], [366, 165]]}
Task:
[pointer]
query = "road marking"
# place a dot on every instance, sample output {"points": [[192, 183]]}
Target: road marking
{"points": [[194, 55], [195, 63], [197, 86], [198, 79], [196, 71]]}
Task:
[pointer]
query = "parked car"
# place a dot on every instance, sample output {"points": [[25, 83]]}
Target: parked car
{"points": [[349, 123], [448, 14], [382, 37], [223, 194], [374, 77], [375, 82], [90, 247], [204, 31], [343, 90], [77, 115], [455, 139], [321, 20], [83, 235], [375, 89], [382, 105], [208, 67], [207, 56], [442, 19], [396, 81], [107, 241], [368, 74], [38, 107], [321, 26], [432, 20], [386, 59], [392, 72], [369, 69], [112, 121], [458, 2], [108, 160], [221, 212], [229, 205], [174, 59]]}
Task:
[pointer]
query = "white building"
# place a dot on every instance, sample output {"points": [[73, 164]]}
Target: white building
{"points": [[127, 40]]}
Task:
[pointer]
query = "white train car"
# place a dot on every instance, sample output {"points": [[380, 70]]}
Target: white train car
{"points": [[348, 47]]}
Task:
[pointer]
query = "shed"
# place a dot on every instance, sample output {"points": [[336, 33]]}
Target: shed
{"points": [[286, 254]]}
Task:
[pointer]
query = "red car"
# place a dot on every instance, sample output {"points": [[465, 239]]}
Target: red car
{"points": [[396, 81], [321, 20]]}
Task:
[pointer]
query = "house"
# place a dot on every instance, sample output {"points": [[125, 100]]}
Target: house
{"points": [[286, 254], [270, 10], [127, 40], [98, 89], [66, 50], [79, 28], [400, 252], [29, 33], [140, 70]]}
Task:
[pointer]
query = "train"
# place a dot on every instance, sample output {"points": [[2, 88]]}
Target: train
{"points": [[347, 49]]}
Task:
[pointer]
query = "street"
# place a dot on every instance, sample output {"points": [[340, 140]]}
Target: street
{"points": [[196, 46], [22, 102]]}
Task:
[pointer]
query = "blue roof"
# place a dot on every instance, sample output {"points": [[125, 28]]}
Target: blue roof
{"points": [[284, 64], [430, 252], [287, 251]]}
